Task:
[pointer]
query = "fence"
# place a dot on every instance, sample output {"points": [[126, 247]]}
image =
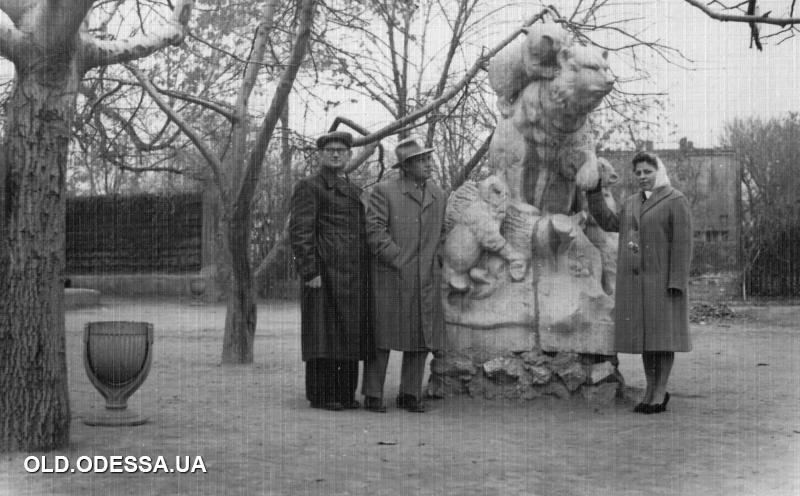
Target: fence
{"points": [[776, 269], [134, 234]]}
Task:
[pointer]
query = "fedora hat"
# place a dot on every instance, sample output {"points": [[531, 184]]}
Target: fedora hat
{"points": [[408, 148], [342, 137]]}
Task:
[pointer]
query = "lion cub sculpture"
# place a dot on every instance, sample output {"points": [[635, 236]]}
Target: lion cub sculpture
{"points": [[474, 216]]}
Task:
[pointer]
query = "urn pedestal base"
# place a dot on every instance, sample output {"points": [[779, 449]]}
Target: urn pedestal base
{"points": [[115, 418]]}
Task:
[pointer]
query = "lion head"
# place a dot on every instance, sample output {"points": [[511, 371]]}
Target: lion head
{"points": [[608, 174], [584, 79], [494, 192]]}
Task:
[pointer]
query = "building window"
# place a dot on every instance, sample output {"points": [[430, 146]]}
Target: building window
{"points": [[712, 236]]}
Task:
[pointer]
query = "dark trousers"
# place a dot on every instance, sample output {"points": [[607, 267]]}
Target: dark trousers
{"points": [[329, 380], [411, 373]]}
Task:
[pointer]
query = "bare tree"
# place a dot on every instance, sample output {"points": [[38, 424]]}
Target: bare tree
{"points": [[236, 169], [768, 153], [51, 55], [393, 58], [750, 13]]}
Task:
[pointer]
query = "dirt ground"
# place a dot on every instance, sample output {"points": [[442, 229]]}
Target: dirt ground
{"points": [[732, 427]]}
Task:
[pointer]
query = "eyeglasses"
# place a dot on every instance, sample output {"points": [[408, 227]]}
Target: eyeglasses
{"points": [[333, 151]]}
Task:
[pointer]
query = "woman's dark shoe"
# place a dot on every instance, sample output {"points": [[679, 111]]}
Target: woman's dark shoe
{"points": [[374, 404], [663, 406], [658, 407], [410, 403], [640, 408]]}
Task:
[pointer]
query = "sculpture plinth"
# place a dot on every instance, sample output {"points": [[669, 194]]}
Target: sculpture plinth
{"points": [[117, 358], [529, 273]]}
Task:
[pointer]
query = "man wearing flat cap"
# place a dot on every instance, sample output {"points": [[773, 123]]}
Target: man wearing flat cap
{"points": [[328, 237], [405, 219]]}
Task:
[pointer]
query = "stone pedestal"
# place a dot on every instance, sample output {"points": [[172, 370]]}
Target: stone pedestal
{"points": [[551, 333], [574, 315]]}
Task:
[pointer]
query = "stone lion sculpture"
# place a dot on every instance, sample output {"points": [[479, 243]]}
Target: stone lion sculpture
{"points": [[522, 62], [543, 145], [474, 216]]}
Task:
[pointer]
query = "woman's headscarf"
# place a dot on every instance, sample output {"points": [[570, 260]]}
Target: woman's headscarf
{"points": [[661, 171]]}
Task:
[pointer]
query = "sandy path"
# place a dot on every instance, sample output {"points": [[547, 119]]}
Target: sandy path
{"points": [[733, 426]]}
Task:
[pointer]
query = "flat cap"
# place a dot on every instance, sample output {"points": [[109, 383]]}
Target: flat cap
{"points": [[342, 137]]}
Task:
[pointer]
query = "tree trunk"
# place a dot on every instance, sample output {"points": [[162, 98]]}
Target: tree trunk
{"points": [[240, 318], [34, 399]]}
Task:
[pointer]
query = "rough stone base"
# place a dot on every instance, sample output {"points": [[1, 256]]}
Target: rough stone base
{"points": [[527, 375], [480, 345]]}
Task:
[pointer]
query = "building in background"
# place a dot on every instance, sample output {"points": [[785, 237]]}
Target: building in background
{"points": [[710, 178]]}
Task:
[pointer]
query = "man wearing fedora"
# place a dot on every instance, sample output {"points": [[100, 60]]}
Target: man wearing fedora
{"points": [[328, 237], [405, 219]]}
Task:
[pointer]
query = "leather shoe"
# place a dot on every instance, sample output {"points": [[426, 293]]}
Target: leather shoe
{"points": [[410, 403], [334, 406], [374, 404], [351, 405], [640, 408]]}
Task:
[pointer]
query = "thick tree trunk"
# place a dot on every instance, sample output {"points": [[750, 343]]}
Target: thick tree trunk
{"points": [[240, 319], [34, 400]]}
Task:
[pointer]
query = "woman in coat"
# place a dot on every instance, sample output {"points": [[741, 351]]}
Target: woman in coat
{"points": [[655, 250], [328, 236]]}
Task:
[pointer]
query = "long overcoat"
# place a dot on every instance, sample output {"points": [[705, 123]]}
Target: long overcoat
{"points": [[404, 231], [328, 237], [648, 315]]}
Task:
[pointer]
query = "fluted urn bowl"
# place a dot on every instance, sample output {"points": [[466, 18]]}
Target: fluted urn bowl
{"points": [[117, 357]]}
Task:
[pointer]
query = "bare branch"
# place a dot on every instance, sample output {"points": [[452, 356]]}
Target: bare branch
{"points": [[359, 159], [212, 159], [138, 142], [399, 124], [126, 124], [757, 19], [96, 52], [221, 108], [464, 11], [464, 173], [279, 98], [256, 57], [240, 129]]}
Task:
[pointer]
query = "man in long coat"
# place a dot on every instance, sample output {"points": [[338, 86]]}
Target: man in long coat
{"points": [[405, 219], [328, 237]]}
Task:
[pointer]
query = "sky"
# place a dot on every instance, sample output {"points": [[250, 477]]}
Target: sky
{"points": [[726, 79], [722, 80]]}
